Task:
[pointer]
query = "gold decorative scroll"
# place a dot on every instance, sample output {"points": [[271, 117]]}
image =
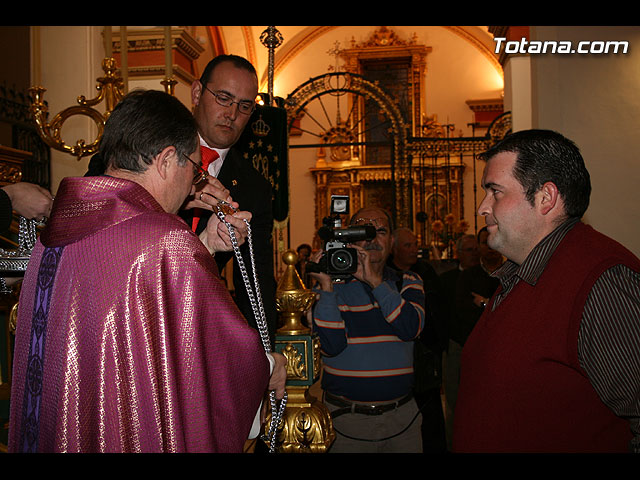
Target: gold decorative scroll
{"points": [[110, 90]]}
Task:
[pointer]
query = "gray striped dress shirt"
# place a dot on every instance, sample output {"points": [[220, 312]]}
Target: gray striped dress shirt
{"points": [[609, 336]]}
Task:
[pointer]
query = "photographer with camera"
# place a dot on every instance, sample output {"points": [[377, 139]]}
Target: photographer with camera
{"points": [[367, 322]]}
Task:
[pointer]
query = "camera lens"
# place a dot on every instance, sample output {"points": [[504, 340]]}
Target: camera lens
{"points": [[341, 260]]}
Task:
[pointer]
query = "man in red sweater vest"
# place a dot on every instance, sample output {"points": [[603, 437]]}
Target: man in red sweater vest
{"points": [[553, 364]]}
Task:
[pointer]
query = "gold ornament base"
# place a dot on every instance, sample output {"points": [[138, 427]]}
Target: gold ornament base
{"points": [[306, 427]]}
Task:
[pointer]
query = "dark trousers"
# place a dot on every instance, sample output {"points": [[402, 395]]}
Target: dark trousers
{"points": [[434, 438]]}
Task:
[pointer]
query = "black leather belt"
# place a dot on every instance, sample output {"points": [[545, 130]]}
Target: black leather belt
{"points": [[366, 409]]}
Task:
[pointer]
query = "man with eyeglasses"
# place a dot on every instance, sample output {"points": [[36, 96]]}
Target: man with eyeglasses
{"points": [[367, 327], [224, 99], [127, 340]]}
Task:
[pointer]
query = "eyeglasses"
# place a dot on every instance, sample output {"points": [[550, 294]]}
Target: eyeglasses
{"points": [[245, 107], [200, 177], [202, 174], [378, 223]]}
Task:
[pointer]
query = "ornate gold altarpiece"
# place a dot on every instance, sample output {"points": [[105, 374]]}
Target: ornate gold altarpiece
{"points": [[415, 168]]}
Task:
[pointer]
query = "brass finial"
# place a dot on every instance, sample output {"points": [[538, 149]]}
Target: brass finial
{"points": [[292, 297]]}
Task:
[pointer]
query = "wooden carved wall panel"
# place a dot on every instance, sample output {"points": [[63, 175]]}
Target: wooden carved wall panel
{"points": [[11, 164], [378, 194]]}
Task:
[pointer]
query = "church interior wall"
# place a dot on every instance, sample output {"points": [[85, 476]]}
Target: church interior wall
{"points": [[593, 100], [68, 64], [590, 100], [456, 71], [517, 91]]}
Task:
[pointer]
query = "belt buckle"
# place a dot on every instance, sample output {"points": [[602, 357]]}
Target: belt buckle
{"points": [[373, 410], [353, 407]]}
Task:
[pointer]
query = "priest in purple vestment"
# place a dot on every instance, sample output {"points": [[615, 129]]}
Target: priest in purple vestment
{"points": [[127, 340]]}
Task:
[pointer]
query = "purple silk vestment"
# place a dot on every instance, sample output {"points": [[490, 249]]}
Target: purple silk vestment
{"points": [[127, 340]]}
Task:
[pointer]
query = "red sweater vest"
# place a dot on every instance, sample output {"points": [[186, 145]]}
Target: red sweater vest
{"points": [[522, 388]]}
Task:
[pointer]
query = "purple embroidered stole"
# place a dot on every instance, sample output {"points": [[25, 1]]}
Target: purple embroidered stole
{"points": [[33, 383]]}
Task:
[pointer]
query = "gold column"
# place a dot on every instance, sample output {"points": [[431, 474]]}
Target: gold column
{"points": [[306, 426]]}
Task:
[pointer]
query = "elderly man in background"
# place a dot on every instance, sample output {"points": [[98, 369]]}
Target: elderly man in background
{"points": [[367, 326]]}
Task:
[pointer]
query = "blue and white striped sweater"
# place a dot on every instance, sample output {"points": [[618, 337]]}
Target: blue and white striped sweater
{"points": [[367, 336]]}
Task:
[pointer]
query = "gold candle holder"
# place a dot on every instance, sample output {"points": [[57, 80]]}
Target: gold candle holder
{"points": [[110, 90], [169, 85], [306, 425]]}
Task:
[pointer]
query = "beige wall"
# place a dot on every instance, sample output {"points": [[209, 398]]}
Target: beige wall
{"points": [[69, 60], [593, 99], [458, 69]]}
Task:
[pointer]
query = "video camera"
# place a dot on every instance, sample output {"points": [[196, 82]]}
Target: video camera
{"points": [[339, 261]]}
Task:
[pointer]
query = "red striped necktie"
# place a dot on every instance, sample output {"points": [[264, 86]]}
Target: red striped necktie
{"points": [[208, 156]]}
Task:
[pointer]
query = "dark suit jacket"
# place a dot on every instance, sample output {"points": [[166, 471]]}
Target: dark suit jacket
{"points": [[433, 339], [253, 193], [466, 314], [448, 281]]}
